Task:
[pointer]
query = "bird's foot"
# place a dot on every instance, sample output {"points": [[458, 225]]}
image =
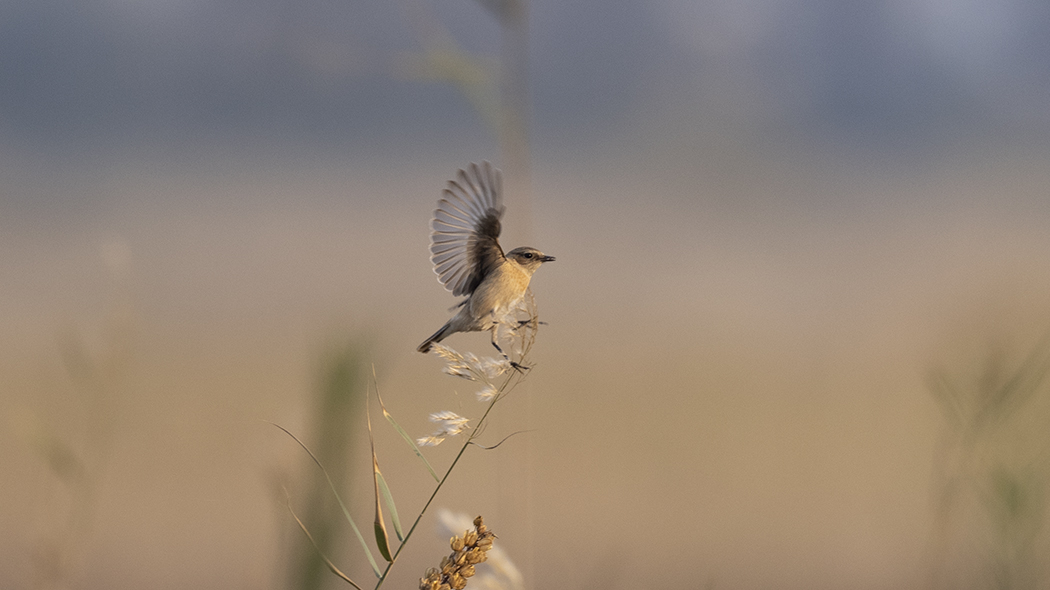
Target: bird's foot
{"points": [[522, 323]]}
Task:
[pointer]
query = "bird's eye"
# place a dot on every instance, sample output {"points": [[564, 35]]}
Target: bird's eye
{"points": [[527, 255]]}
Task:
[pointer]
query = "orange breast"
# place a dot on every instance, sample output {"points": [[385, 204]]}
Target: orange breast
{"points": [[500, 290]]}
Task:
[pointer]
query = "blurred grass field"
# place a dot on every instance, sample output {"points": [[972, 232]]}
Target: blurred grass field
{"points": [[740, 396]]}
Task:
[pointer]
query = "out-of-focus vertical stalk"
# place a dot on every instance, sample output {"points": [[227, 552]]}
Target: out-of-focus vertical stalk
{"points": [[515, 109], [501, 99], [336, 420]]}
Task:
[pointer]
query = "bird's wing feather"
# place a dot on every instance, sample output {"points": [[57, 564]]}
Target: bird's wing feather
{"points": [[463, 245]]}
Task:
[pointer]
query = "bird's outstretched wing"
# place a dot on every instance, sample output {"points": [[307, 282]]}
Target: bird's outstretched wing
{"points": [[463, 245]]}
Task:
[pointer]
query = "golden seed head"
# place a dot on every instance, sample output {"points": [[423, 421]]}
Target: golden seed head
{"points": [[455, 568]]}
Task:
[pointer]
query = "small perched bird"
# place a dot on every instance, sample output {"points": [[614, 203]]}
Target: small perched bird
{"points": [[468, 259]]}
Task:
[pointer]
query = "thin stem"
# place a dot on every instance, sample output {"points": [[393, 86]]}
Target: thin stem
{"points": [[506, 387]]}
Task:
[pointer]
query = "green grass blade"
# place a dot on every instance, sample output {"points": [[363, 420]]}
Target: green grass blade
{"points": [[382, 538], [328, 562], [388, 499], [408, 439], [346, 512]]}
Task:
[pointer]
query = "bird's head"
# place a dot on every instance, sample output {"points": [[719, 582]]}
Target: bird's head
{"points": [[528, 258]]}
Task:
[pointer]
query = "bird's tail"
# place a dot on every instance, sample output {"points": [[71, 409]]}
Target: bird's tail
{"points": [[435, 337]]}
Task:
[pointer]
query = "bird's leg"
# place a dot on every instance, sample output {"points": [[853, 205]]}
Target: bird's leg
{"points": [[515, 365]]}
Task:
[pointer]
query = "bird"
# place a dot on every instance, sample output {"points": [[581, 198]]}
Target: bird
{"points": [[467, 257]]}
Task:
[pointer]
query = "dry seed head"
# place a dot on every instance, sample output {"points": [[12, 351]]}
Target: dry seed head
{"points": [[469, 366], [429, 441], [430, 582], [475, 555], [486, 393], [467, 550]]}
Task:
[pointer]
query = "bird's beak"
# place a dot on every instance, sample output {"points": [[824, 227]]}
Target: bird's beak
{"points": [[548, 259]]}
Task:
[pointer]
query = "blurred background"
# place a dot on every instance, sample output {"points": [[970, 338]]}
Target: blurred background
{"points": [[795, 332]]}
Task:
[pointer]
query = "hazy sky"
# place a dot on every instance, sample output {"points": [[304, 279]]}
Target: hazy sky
{"points": [[76, 76]]}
